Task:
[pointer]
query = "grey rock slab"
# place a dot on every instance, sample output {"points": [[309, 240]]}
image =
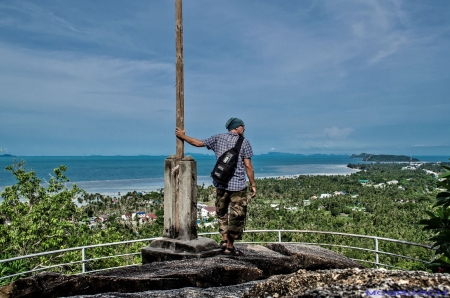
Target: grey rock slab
{"points": [[207, 272], [352, 282], [234, 291], [269, 261], [155, 276], [257, 263], [313, 257]]}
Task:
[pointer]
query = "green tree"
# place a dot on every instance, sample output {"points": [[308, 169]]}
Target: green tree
{"points": [[38, 218], [439, 222]]}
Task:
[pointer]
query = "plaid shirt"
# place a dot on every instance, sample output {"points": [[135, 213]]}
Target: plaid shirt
{"points": [[222, 142]]}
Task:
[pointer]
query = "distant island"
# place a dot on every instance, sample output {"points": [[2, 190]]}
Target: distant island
{"points": [[6, 155], [276, 153], [272, 153], [383, 157]]}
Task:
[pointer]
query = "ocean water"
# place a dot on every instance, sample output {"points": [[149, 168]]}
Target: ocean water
{"points": [[119, 174]]}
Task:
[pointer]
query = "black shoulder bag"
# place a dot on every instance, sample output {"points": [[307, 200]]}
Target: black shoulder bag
{"points": [[226, 164]]}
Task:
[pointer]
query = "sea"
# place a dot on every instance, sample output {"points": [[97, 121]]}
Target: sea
{"points": [[114, 175]]}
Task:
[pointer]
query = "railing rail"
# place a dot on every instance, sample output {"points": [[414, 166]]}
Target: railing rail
{"points": [[376, 239], [84, 260]]}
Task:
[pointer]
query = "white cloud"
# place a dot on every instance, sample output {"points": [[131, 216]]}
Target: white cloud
{"points": [[391, 47], [327, 133], [35, 18], [316, 69], [335, 132], [62, 80]]}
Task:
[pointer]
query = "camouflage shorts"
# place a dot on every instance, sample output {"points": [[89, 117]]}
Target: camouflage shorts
{"points": [[231, 222]]}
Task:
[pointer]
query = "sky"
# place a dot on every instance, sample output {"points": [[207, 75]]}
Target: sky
{"points": [[331, 77]]}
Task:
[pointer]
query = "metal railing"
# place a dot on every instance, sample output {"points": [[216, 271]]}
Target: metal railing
{"points": [[376, 249], [84, 259]]}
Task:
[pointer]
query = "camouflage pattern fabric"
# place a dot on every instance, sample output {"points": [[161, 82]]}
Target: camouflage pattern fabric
{"points": [[232, 222]]}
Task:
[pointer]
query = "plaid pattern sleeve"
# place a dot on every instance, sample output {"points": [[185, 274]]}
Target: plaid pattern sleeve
{"points": [[222, 142]]}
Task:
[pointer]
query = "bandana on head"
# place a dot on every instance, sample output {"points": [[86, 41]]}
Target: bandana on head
{"points": [[233, 123]]}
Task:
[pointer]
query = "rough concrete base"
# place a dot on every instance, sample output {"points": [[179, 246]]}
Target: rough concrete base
{"points": [[166, 249]]}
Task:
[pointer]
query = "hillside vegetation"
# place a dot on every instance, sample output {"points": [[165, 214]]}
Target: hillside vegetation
{"points": [[381, 200], [384, 157]]}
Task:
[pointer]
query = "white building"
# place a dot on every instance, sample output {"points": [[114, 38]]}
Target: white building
{"points": [[208, 212]]}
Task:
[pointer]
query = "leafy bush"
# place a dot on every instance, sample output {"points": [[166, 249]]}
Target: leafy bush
{"points": [[11, 268], [335, 211], [439, 222]]}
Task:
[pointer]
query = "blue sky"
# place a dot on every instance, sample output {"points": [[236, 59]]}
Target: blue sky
{"points": [[98, 77]]}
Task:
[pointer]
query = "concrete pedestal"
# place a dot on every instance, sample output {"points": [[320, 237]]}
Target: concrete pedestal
{"points": [[179, 239]]}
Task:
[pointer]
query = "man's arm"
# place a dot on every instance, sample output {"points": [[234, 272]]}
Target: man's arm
{"points": [[250, 175], [181, 134]]}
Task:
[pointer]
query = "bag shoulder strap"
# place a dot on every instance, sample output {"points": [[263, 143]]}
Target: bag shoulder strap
{"points": [[238, 145]]}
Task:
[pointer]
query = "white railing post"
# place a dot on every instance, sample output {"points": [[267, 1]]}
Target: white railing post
{"points": [[83, 260], [279, 235], [376, 252]]}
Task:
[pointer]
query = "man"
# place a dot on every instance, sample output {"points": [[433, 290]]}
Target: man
{"points": [[235, 194]]}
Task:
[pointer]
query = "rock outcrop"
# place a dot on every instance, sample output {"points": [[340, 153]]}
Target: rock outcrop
{"points": [[275, 270], [350, 283]]}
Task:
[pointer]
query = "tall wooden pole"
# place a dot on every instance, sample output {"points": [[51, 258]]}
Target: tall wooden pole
{"points": [[180, 101], [179, 74], [180, 188]]}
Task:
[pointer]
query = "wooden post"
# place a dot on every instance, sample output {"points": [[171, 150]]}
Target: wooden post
{"points": [[180, 239], [179, 75], [180, 101]]}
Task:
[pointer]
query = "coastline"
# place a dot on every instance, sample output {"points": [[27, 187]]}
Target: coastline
{"points": [[112, 175], [114, 187]]}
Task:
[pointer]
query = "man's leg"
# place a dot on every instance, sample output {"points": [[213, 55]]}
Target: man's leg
{"points": [[222, 202], [238, 211]]}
